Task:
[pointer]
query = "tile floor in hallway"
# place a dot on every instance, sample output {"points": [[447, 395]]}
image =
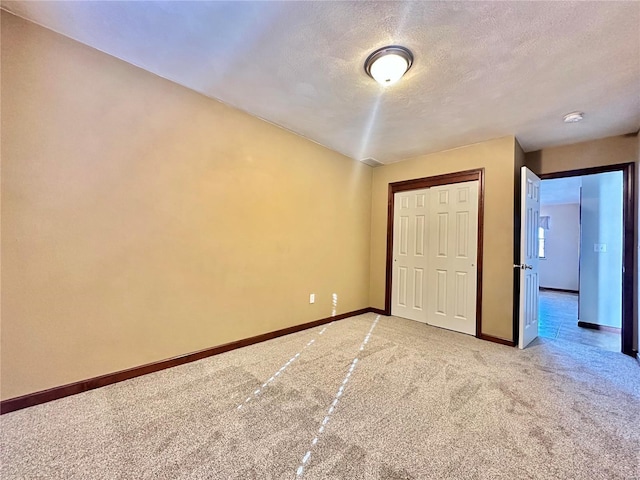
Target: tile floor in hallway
{"points": [[558, 317]]}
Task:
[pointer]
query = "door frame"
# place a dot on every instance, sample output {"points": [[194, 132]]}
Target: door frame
{"points": [[434, 181], [628, 229]]}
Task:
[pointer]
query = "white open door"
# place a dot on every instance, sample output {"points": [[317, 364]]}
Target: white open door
{"points": [[529, 279], [409, 254]]}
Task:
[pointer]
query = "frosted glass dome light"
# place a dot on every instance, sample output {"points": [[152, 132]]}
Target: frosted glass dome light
{"points": [[573, 117], [387, 65]]}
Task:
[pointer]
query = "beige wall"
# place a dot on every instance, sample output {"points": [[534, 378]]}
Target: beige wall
{"points": [[595, 153], [605, 151], [497, 157], [141, 220]]}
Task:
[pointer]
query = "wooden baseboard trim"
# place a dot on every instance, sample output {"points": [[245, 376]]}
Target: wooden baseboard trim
{"points": [[379, 311], [563, 290], [595, 326], [55, 393], [501, 341]]}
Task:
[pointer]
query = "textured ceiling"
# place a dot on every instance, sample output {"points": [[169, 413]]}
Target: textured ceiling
{"points": [[482, 69]]}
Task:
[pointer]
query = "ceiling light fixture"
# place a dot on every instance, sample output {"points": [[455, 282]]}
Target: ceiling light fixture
{"points": [[387, 65], [573, 117]]}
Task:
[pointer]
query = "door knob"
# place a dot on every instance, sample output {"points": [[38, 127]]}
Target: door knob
{"points": [[524, 266]]}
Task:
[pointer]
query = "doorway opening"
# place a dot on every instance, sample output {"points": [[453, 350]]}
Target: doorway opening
{"points": [[585, 251]]}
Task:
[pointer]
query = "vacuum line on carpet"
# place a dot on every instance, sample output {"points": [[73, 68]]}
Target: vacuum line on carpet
{"points": [[282, 369], [332, 407]]}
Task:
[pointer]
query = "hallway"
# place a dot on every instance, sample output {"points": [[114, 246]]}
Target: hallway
{"points": [[558, 319]]}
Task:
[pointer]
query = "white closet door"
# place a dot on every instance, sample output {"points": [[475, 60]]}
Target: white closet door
{"points": [[452, 256], [411, 211]]}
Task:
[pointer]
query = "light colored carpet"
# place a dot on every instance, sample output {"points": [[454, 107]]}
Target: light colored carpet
{"points": [[419, 403]]}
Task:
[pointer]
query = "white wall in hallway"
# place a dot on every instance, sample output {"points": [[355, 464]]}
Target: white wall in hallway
{"points": [[601, 272], [559, 268]]}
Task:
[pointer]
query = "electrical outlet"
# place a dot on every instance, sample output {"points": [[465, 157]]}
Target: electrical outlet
{"points": [[312, 298], [599, 247]]}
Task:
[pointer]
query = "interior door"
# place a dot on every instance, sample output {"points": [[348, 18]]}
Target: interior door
{"points": [[529, 278], [453, 247], [409, 254]]}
